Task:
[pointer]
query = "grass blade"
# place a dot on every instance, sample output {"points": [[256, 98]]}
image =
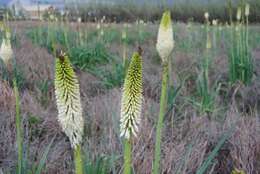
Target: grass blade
{"points": [[214, 153], [44, 157]]}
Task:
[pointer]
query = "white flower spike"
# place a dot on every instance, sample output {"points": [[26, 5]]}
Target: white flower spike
{"points": [[247, 9], [238, 13], [6, 52], [68, 100], [131, 104], [165, 42], [206, 15]]}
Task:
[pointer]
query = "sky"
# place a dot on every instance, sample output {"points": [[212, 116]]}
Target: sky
{"points": [[5, 2]]}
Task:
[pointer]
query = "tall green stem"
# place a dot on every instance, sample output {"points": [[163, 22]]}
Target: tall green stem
{"points": [[124, 57], [205, 70], [247, 34], [19, 130], [66, 31], [230, 11], [127, 157], [249, 71], [170, 73], [78, 160], [233, 73], [163, 104]]}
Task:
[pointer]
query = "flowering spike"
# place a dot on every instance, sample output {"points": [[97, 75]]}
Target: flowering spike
{"points": [[68, 100], [6, 51], [247, 9], [131, 103], [238, 14], [79, 20], [165, 42], [206, 15], [214, 22]]}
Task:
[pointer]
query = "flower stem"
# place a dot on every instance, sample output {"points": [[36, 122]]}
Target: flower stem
{"points": [[163, 103], [19, 130], [127, 157], [78, 160]]}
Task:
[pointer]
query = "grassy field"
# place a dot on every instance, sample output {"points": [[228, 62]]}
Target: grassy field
{"points": [[213, 132]]}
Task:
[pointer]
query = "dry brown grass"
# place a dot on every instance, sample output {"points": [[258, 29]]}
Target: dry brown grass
{"points": [[36, 62], [7, 131]]}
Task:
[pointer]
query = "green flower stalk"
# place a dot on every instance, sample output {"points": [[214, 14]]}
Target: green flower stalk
{"points": [[203, 87], [69, 106], [208, 45], [165, 44], [247, 11], [131, 106], [230, 11], [19, 129], [240, 60], [124, 47], [6, 53]]}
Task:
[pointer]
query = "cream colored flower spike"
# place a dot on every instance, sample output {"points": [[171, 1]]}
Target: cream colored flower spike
{"points": [[68, 100], [6, 52], [165, 42], [131, 102], [247, 9], [238, 14]]}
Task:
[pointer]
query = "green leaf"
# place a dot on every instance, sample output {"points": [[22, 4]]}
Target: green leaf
{"points": [[214, 153], [44, 157]]}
